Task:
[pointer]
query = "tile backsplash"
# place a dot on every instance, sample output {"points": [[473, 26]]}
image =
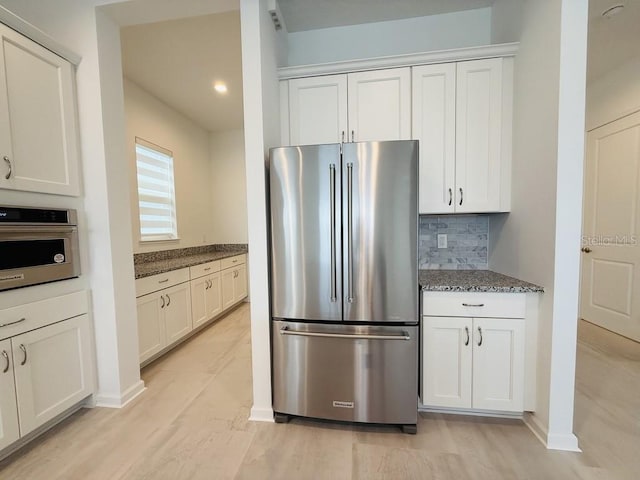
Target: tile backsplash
{"points": [[467, 242]]}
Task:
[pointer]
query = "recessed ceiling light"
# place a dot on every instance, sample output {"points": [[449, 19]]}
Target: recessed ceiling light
{"points": [[220, 87], [613, 10]]}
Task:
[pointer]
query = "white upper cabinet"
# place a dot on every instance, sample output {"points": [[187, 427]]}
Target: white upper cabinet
{"points": [[478, 135], [434, 125], [360, 106], [318, 110], [380, 105], [462, 118], [38, 131]]}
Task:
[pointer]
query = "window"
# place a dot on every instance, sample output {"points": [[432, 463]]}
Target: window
{"points": [[156, 192]]}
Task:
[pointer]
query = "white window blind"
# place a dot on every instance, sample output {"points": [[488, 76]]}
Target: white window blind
{"points": [[156, 192]]}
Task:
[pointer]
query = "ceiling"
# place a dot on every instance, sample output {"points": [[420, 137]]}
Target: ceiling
{"points": [[177, 61], [299, 15], [612, 41]]}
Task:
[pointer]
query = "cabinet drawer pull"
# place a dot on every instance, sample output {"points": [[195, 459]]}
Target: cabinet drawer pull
{"points": [[466, 330], [163, 281], [473, 304], [162, 298], [6, 360], [235, 260], [207, 269], [24, 350], [12, 323], [8, 162], [480, 341]]}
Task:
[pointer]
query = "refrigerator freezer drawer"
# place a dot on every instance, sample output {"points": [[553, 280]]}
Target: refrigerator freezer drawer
{"points": [[343, 372]]}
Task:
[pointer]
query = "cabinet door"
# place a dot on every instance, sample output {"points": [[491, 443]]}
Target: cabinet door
{"points": [[434, 125], [214, 296], [240, 283], [226, 286], [446, 357], [199, 308], [53, 370], [498, 364], [317, 109], [177, 312], [478, 135], [38, 136], [380, 105], [9, 431], [151, 330]]}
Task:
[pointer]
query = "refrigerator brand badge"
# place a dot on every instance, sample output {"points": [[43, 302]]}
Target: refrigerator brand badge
{"points": [[8, 278], [339, 404]]}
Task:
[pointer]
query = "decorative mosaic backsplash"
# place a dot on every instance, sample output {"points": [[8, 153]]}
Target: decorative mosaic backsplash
{"points": [[185, 252], [467, 242]]}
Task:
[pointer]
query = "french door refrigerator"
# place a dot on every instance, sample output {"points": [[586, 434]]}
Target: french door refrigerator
{"points": [[344, 281]]}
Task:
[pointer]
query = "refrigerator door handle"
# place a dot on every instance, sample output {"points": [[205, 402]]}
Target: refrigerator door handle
{"points": [[332, 189], [286, 331], [350, 232]]}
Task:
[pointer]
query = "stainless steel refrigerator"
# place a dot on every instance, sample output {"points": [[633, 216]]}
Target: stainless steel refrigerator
{"points": [[344, 281]]}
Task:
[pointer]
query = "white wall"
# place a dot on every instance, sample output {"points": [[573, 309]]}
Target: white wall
{"points": [[109, 268], [506, 21], [154, 121], [228, 187], [262, 50], [436, 32], [539, 240], [614, 95]]}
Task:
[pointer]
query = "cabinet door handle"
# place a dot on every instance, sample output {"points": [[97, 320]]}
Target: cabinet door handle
{"points": [[461, 196], [8, 161], [480, 341], [353, 136], [466, 330], [168, 300], [13, 323], [162, 298], [24, 351], [6, 360], [473, 304], [450, 197]]}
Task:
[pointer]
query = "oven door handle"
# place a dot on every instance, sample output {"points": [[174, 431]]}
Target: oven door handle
{"points": [[28, 231], [286, 331]]}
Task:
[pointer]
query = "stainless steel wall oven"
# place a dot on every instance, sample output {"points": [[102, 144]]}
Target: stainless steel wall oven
{"points": [[37, 245]]}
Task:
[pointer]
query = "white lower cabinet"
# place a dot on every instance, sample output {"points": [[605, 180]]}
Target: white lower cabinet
{"points": [[473, 363], [46, 363], [9, 430], [234, 285], [164, 317], [206, 300], [52, 370]]}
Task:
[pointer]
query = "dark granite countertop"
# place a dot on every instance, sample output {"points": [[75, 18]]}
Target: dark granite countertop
{"points": [[146, 269], [472, 281]]}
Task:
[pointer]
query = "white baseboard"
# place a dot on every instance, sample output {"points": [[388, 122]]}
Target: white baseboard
{"points": [[567, 442], [119, 401], [261, 414], [563, 441]]}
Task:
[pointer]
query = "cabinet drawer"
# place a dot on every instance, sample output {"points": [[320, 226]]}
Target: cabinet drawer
{"points": [[473, 304], [160, 281], [233, 261], [23, 318], [204, 269]]}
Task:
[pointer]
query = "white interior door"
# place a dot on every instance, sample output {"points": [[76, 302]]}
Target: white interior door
{"points": [[610, 291]]}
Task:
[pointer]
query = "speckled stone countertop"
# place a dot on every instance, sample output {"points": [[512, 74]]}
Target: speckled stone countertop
{"points": [[146, 265], [472, 281]]}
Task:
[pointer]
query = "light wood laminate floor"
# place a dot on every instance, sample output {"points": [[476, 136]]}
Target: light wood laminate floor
{"points": [[191, 423]]}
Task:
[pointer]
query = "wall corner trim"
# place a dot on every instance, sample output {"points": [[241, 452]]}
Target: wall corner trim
{"points": [[405, 60]]}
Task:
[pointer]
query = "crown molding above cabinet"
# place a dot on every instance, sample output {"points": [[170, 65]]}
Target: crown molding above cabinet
{"points": [[405, 60]]}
